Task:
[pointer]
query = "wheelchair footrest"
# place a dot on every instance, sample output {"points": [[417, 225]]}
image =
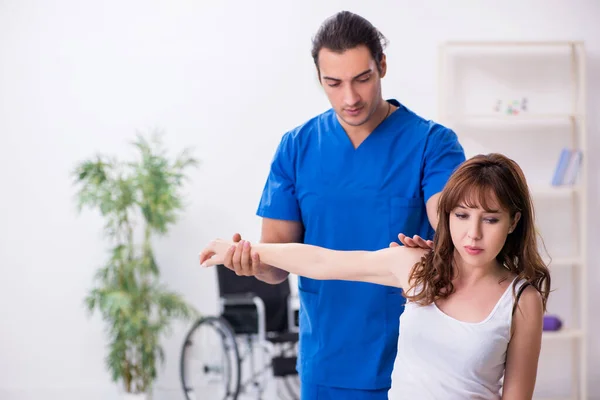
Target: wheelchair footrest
{"points": [[284, 366]]}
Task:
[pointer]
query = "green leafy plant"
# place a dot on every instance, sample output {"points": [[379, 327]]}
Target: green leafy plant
{"points": [[138, 200]]}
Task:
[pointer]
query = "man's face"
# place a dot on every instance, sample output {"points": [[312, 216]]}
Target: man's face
{"points": [[352, 83]]}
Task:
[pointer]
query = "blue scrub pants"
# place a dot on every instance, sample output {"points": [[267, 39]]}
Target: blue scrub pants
{"points": [[318, 392]]}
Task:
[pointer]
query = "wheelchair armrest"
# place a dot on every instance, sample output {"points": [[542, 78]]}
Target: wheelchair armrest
{"points": [[238, 299], [249, 299]]}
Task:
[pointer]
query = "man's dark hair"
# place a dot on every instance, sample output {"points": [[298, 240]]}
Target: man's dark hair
{"points": [[344, 31]]}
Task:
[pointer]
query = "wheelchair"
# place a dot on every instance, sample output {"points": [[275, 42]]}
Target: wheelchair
{"points": [[250, 344]]}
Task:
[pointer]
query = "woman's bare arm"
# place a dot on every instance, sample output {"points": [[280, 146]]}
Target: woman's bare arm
{"points": [[524, 347], [389, 266]]}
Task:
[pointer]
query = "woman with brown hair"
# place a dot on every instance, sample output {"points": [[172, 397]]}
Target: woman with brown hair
{"points": [[472, 326]]}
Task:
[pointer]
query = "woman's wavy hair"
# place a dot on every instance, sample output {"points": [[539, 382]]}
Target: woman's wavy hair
{"points": [[471, 185]]}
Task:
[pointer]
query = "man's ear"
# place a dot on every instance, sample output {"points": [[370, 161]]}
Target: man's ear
{"points": [[383, 66]]}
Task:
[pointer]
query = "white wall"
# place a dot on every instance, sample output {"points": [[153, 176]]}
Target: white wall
{"points": [[225, 77]]}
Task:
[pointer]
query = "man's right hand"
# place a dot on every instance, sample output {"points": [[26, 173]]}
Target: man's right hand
{"points": [[241, 261], [239, 258]]}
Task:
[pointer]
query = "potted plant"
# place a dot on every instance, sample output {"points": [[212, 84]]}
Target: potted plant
{"points": [[138, 200]]}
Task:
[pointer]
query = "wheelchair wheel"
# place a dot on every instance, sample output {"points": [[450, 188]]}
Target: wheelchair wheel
{"points": [[210, 361]]}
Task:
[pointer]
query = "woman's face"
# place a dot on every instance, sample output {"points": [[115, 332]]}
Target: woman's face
{"points": [[479, 234]]}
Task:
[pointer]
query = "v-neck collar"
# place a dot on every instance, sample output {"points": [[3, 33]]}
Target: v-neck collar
{"points": [[343, 136]]}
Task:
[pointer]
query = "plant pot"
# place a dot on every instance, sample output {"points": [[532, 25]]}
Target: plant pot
{"points": [[135, 396]]}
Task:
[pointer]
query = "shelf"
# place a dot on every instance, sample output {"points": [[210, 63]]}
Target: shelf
{"points": [[506, 43], [564, 48], [564, 334], [520, 118], [554, 191], [555, 398], [566, 262]]}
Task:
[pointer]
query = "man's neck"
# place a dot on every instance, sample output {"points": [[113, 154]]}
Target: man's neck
{"points": [[358, 134]]}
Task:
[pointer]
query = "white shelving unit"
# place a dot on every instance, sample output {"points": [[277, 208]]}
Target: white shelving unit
{"points": [[545, 83]]}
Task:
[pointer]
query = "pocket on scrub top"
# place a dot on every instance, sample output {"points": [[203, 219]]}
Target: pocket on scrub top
{"points": [[406, 215]]}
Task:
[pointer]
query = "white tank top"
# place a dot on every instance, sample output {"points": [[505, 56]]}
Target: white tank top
{"points": [[440, 357]]}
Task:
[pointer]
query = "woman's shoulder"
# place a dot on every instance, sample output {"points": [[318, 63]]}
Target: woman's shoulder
{"points": [[531, 298], [528, 298]]}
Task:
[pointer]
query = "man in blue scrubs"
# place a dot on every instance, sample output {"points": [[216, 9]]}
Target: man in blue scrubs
{"points": [[351, 178]]}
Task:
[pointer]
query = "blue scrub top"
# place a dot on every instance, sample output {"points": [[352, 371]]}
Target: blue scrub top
{"points": [[356, 199]]}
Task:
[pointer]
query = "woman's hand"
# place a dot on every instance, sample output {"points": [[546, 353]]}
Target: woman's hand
{"points": [[216, 252]]}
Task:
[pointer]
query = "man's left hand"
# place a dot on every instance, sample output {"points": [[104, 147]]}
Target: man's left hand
{"points": [[415, 241]]}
